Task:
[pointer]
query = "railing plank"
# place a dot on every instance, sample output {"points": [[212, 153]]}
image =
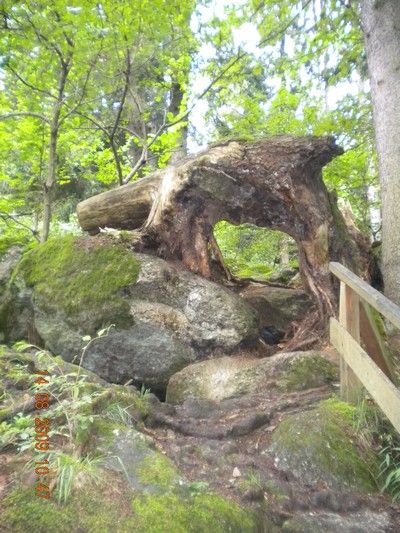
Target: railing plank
{"points": [[382, 304], [373, 342], [382, 390]]}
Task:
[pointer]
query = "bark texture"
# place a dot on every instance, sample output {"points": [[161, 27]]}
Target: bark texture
{"points": [[274, 183], [381, 26]]}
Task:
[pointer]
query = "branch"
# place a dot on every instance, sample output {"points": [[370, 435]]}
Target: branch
{"points": [[83, 92], [25, 114], [240, 55], [30, 85], [7, 216], [130, 131], [124, 93]]}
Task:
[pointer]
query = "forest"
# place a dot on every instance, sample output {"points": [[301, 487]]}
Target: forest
{"points": [[200, 266]]}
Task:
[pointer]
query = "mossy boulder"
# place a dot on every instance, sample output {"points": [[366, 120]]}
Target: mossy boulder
{"points": [[163, 316], [320, 446], [133, 454], [229, 377]]}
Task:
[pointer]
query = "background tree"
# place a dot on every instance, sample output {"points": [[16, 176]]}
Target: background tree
{"points": [[70, 73], [381, 25]]}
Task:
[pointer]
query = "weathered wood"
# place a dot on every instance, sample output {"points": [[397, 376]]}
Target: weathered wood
{"points": [[126, 207], [377, 300], [373, 342], [349, 317], [379, 386], [274, 183]]}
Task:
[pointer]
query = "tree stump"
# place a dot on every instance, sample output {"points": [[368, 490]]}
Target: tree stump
{"points": [[274, 183]]}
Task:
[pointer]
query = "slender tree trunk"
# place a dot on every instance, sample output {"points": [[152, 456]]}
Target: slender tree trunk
{"points": [[381, 26], [50, 181], [49, 185], [177, 95]]}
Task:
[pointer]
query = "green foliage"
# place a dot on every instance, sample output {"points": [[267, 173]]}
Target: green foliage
{"points": [[81, 279], [18, 432], [377, 432], [111, 111], [389, 472]]}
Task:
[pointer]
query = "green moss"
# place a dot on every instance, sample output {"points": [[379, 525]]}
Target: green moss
{"points": [[87, 511], [334, 407], [81, 277], [16, 369], [200, 514], [158, 470], [103, 429], [308, 372], [321, 445]]}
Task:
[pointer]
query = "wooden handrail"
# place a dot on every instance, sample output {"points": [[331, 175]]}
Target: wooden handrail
{"points": [[382, 304], [364, 360]]}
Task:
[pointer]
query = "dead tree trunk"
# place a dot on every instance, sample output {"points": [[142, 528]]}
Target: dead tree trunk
{"points": [[274, 183]]}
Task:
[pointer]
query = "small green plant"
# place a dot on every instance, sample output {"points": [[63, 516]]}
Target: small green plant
{"points": [[118, 414], [72, 411], [196, 487], [377, 432], [72, 470], [144, 392], [18, 432], [389, 471]]}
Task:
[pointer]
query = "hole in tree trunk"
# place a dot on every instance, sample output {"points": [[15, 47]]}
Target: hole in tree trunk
{"points": [[265, 264]]}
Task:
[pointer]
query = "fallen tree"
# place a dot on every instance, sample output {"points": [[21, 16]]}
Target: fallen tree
{"points": [[274, 183]]}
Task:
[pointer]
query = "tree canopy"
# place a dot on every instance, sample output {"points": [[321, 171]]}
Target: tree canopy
{"points": [[96, 95]]}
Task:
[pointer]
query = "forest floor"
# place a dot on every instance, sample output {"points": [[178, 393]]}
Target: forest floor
{"points": [[228, 447]]}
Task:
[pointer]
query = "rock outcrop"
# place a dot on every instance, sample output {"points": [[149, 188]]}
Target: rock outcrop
{"points": [[160, 317]]}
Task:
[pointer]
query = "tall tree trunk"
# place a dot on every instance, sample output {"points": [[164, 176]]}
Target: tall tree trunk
{"points": [[381, 26]]}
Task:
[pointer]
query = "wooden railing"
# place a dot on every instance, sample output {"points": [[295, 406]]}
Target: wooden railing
{"points": [[364, 357]]}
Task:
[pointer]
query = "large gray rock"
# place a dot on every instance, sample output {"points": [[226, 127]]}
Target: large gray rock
{"points": [[164, 317], [277, 306], [230, 377], [198, 311], [144, 354]]}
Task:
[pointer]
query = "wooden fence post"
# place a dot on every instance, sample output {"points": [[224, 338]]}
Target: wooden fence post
{"points": [[349, 317]]}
